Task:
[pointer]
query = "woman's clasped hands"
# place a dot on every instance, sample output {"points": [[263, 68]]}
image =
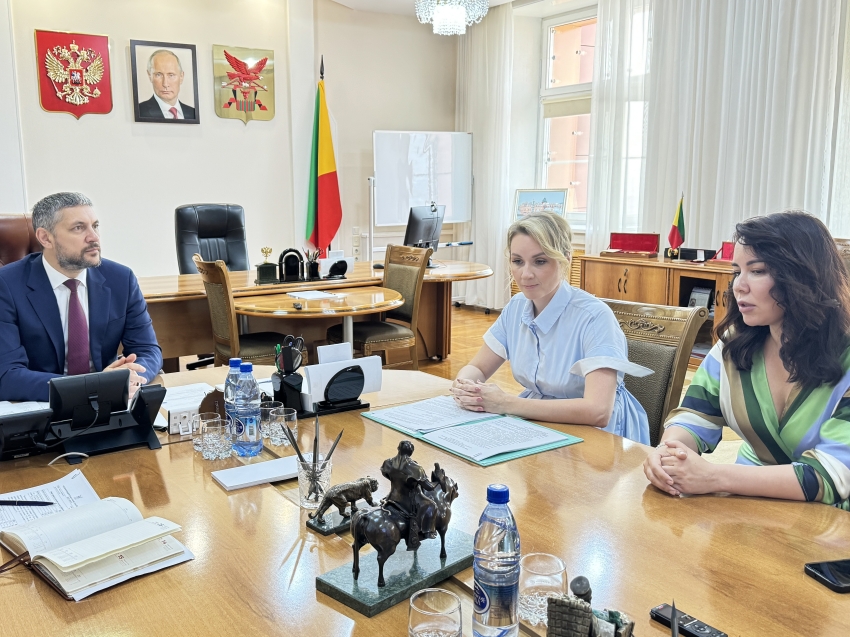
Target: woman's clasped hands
{"points": [[477, 396], [676, 469]]}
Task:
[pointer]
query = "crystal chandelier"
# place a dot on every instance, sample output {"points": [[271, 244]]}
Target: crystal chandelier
{"points": [[451, 17]]}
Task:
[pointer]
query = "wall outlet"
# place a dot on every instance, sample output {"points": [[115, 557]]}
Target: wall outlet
{"points": [[355, 230], [356, 252], [355, 241], [357, 258]]}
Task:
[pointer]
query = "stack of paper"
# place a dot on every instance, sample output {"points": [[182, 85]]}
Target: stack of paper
{"points": [[440, 412], [252, 474]]}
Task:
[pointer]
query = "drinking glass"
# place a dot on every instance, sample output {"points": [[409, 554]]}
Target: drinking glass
{"points": [[216, 444], [266, 409], [540, 576], [198, 421], [313, 482], [434, 612], [283, 416]]}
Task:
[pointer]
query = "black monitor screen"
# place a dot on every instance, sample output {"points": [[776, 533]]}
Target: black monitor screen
{"points": [[424, 226], [71, 397]]}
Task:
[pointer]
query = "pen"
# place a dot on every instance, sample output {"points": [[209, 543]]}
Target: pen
{"points": [[25, 503], [293, 442], [458, 243], [333, 446]]}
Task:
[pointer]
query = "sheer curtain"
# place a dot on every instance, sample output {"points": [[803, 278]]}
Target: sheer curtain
{"points": [[485, 59], [617, 117]]}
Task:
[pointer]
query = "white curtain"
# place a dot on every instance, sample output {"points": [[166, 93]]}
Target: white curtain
{"points": [[838, 219], [617, 131], [485, 59], [741, 112]]}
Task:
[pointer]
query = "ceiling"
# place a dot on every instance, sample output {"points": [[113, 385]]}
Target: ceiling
{"points": [[401, 7]]}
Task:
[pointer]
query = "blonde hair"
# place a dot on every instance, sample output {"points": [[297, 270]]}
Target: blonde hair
{"points": [[551, 231]]}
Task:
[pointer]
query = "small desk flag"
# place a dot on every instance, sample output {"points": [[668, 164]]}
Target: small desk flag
{"points": [[676, 237]]}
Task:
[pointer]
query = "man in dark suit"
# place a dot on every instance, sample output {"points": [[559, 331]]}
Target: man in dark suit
{"points": [[166, 75], [66, 311]]}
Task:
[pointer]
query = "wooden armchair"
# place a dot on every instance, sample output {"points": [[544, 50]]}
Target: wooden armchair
{"points": [[660, 337], [404, 271], [258, 348]]}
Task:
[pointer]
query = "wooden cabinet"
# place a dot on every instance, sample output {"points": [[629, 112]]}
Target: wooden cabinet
{"points": [[626, 281], [723, 282]]}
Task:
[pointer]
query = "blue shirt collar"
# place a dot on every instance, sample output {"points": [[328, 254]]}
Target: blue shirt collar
{"points": [[551, 313]]}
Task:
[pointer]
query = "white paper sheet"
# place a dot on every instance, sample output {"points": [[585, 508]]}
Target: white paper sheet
{"points": [[21, 408], [429, 415], [334, 353], [252, 474], [193, 394], [68, 492], [312, 295], [492, 437]]}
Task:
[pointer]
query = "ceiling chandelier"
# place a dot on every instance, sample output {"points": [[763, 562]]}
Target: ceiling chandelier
{"points": [[451, 17]]}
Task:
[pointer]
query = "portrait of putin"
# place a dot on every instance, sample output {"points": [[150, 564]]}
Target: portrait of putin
{"points": [[162, 69]]}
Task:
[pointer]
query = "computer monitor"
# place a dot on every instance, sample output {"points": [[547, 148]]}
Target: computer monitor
{"points": [[424, 225]]}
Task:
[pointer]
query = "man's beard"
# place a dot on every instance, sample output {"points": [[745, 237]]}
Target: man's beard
{"points": [[76, 261]]}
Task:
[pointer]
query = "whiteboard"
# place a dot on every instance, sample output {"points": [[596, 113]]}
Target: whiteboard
{"points": [[416, 168]]}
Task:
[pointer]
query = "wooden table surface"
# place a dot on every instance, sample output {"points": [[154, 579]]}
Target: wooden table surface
{"points": [[736, 563], [347, 302]]}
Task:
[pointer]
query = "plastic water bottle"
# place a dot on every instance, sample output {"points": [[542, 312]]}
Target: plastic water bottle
{"points": [[248, 440], [496, 568], [230, 384]]}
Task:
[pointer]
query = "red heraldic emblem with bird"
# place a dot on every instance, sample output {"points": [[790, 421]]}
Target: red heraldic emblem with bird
{"points": [[73, 73], [245, 81]]}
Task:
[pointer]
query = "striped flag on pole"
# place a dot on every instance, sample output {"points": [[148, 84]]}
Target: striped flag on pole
{"points": [[324, 210], [676, 237]]}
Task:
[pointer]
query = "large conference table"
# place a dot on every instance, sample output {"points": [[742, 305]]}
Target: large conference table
{"points": [[181, 318], [734, 562]]}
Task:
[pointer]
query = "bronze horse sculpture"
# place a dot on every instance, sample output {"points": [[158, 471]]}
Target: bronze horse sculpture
{"points": [[416, 509]]}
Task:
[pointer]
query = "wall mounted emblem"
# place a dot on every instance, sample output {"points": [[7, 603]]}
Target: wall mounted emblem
{"points": [[73, 73], [244, 83]]}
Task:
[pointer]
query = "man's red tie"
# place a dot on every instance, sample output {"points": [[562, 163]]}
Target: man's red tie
{"points": [[173, 111], [78, 333]]}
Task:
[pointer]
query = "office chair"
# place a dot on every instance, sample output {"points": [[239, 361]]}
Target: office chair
{"points": [[661, 338], [17, 238], [216, 232], [404, 271]]}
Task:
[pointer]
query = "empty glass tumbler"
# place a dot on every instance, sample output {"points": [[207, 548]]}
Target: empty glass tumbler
{"points": [[278, 419], [434, 612], [540, 575]]}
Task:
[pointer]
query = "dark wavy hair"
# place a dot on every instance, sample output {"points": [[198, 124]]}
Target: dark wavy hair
{"points": [[811, 285]]}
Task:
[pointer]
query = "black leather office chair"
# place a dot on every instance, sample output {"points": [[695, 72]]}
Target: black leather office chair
{"points": [[216, 231]]}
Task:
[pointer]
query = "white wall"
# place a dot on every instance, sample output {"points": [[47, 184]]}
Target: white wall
{"points": [[138, 173], [382, 72], [12, 197], [525, 102]]}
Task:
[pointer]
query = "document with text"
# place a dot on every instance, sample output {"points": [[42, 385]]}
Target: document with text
{"points": [[492, 437], [428, 415]]}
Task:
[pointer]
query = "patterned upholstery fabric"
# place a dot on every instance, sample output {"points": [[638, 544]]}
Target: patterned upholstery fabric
{"points": [[256, 348], [371, 332], [651, 390], [402, 279], [219, 310]]}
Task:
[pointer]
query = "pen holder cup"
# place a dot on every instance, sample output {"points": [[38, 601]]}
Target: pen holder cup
{"points": [[313, 481]]}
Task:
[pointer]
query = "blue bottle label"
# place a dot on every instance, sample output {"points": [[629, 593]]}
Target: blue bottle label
{"points": [[495, 605], [239, 426]]}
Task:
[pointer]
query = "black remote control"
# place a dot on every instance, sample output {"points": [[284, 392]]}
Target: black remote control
{"points": [[688, 626]]}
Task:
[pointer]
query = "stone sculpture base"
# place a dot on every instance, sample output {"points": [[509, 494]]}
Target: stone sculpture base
{"points": [[334, 523], [405, 572]]}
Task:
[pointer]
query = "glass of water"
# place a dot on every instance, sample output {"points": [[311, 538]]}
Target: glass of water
{"points": [[540, 575], [278, 419], [434, 612], [266, 409], [217, 443], [198, 421]]}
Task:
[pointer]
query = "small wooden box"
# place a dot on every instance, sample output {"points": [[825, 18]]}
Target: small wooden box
{"points": [[635, 245]]}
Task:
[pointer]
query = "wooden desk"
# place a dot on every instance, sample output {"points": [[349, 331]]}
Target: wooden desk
{"points": [[736, 563], [349, 302], [178, 307]]}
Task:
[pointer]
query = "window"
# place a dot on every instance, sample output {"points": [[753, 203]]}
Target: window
{"points": [[566, 92]]}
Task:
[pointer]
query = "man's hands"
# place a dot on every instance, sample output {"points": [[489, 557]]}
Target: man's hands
{"points": [[129, 362], [477, 396]]}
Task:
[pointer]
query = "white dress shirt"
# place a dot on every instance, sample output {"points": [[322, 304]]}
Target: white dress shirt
{"points": [[63, 298], [166, 112]]}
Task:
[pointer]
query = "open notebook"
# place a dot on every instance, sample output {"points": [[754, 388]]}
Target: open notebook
{"points": [[85, 544]]}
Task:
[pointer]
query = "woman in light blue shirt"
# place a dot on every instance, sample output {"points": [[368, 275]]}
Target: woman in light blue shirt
{"points": [[564, 345]]}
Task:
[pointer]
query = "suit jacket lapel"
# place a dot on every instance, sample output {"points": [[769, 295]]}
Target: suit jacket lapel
{"points": [[43, 302], [99, 297]]}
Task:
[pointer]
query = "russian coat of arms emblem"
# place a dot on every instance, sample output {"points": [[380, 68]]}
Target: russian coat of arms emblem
{"points": [[74, 73]]}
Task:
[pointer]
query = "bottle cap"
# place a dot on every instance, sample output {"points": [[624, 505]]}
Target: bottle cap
{"points": [[246, 367], [235, 362], [498, 494]]}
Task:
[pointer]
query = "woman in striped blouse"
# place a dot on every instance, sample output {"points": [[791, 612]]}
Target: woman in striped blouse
{"points": [[779, 376]]}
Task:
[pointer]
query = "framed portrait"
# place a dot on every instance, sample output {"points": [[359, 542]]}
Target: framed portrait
{"points": [[545, 200], [244, 83], [165, 82]]}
